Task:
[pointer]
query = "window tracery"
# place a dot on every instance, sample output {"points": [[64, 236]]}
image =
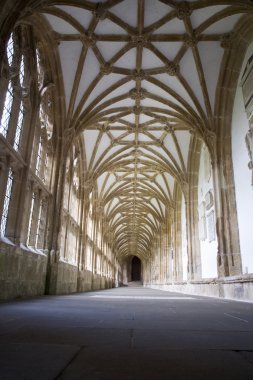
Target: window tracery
{"points": [[11, 121], [41, 165], [7, 199], [71, 214]]}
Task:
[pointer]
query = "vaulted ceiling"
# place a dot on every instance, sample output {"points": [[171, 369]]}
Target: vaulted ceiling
{"points": [[140, 79]]}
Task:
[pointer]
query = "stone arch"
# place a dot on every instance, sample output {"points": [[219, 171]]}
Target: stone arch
{"points": [[229, 258], [136, 269]]}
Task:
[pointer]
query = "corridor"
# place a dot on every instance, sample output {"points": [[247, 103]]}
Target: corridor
{"points": [[125, 334]]}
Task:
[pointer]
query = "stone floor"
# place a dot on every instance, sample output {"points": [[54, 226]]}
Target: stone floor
{"points": [[125, 334]]}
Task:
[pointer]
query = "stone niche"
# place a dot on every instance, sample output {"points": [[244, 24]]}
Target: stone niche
{"points": [[247, 87]]}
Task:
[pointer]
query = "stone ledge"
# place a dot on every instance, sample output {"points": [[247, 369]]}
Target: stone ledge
{"points": [[238, 290]]}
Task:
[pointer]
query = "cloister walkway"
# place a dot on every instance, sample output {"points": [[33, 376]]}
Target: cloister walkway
{"points": [[125, 334]]}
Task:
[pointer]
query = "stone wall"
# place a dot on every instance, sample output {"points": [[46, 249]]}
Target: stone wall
{"points": [[85, 281], [235, 288], [65, 278], [22, 272]]}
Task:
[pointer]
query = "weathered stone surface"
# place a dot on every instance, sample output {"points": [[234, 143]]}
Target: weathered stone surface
{"points": [[22, 272]]}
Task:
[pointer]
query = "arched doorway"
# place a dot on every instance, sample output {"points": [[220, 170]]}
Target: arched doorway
{"points": [[136, 269]]}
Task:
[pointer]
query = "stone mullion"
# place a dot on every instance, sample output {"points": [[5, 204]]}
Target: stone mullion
{"points": [[4, 81], [16, 88], [61, 205], [34, 218], [19, 185], [30, 118], [14, 204], [42, 169], [4, 171], [26, 215], [43, 222], [77, 233], [34, 153]]}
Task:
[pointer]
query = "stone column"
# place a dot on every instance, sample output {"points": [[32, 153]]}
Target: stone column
{"points": [[193, 246], [229, 258]]}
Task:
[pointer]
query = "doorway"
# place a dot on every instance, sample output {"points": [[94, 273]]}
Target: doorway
{"points": [[136, 269]]}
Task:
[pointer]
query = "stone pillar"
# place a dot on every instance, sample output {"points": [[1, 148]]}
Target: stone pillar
{"points": [[177, 242], [193, 246], [229, 258]]}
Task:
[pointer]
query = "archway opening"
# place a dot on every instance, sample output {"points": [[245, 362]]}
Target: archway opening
{"points": [[136, 269]]}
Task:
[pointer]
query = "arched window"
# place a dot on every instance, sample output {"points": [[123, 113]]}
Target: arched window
{"points": [[71, 215], [13, 110], [7, 106], [13, 84], [41, 164]]}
